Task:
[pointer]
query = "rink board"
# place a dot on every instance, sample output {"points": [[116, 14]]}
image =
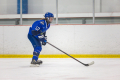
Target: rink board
{"points": [[82, 41]]}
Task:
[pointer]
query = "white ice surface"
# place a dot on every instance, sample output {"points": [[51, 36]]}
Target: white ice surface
{"points": [[60, 69]]}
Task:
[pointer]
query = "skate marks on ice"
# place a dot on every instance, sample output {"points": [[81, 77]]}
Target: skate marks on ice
{"points": [[60, 69]]}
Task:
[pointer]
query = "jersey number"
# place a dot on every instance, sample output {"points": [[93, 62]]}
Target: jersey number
{"points": [[37, 28]]}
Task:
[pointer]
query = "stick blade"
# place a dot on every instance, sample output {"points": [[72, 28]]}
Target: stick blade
{"points": [[91, 63]]}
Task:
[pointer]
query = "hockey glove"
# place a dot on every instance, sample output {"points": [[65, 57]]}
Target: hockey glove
{"points": [[44, 41]]}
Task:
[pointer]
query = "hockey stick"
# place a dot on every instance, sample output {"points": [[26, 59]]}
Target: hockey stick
{"points": [[71, 56]]}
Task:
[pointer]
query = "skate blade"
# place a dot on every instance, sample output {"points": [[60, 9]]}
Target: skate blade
{"points": [[34, 65]]}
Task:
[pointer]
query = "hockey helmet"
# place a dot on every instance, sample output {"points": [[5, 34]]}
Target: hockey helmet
{"points": [[48, 14]]}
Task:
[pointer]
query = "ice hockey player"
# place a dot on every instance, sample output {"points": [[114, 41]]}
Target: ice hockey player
{"points": [[37, 36]]}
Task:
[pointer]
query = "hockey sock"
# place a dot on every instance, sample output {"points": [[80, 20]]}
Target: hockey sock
{"points": [[35, 56], [36, 52]]}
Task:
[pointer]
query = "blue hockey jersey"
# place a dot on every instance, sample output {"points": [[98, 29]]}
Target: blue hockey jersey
{"points": [[39, 25]]}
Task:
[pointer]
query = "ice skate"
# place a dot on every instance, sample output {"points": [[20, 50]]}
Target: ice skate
{"points": [[35, 63]]}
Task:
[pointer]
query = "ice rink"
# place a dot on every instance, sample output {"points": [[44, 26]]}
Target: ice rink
{"points": [[60, 69]]}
